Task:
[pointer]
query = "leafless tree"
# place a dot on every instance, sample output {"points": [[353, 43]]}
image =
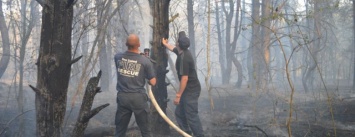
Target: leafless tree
{"points": [[5, 57], [160, 13]]}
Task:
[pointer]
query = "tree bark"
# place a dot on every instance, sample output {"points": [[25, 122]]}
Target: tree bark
{"points": [[265, 34], [255, 46], [160, 13], [53, 68], [220, 43], [191, 27], [240, 72], [5, 58], [85, 113], [237, 30], [104, 63]]}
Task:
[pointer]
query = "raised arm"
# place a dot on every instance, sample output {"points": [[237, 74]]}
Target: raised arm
{"points": [[167, 45]]}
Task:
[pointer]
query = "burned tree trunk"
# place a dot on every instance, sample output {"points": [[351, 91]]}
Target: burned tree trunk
{"points": [[5, 58], [160, 13], [85, 113], [53, 67]]}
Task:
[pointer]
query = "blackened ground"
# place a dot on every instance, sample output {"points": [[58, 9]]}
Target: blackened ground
{"points": [[237, 112]]}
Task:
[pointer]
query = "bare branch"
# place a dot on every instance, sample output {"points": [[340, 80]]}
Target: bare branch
{"points": [[99, 74], [97, 89], [76, 60], [93, 112], [173, 17], [40, 92]]}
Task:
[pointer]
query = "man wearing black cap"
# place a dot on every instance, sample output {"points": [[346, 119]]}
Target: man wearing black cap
{"points": [[186, 99]]}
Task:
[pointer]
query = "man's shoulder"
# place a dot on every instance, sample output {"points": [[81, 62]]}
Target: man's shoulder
{"points": [[188, 55], [119, 54]]}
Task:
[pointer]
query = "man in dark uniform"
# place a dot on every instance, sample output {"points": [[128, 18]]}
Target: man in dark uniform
{"points": [[186, 99], [132, 70]]}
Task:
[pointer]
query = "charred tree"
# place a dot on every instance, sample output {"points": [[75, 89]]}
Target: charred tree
{"points": [[160, 13], [53, 67], [85, 113], [5, 58]]}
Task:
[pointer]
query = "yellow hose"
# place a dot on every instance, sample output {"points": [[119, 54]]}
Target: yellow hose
{"points": [[162, 114]]}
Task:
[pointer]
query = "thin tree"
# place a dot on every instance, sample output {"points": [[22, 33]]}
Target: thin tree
{"points": [[253, 65], [25, 35], [5, 58], [265, 35], [104, 62], [191, 27], [354, 44], [208, 48], [226, 51]]}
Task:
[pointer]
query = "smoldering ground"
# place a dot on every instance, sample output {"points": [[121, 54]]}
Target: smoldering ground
{"points": [[236, 112]]}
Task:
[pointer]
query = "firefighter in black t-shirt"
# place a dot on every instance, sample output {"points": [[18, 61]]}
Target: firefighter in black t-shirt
{"points": [[186, 99]]}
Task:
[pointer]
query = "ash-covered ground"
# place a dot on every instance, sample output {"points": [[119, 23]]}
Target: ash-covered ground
{"points": [[236, 113]]}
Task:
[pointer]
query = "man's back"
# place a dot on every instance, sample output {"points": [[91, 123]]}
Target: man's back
{"points": [[132, 70]]}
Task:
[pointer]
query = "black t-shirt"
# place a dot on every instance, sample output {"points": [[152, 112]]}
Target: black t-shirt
{"points": [[132, 70], [185, 65]]}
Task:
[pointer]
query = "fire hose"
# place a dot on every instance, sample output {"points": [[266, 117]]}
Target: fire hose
{"points": [[162, 114]]}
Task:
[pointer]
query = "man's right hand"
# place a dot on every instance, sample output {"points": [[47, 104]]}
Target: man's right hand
{"points": [[164, 41]]}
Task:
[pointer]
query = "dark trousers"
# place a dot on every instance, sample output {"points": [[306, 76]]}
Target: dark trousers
{"points": [[128, 103], [187, 113]]}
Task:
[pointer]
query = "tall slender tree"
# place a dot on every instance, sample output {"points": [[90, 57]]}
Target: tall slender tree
{"points": [[254, 50], [5, 58], [104, 62], [265, 35], [312, 49], [191, 27], [354, 44], [27, 24]]}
